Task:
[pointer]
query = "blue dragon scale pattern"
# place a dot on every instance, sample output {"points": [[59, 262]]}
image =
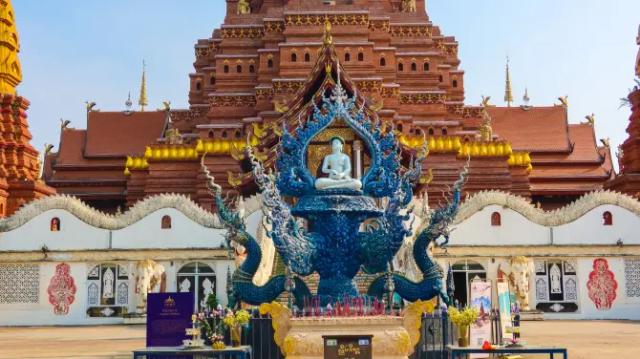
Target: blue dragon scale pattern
{"points": [[338, 232]]}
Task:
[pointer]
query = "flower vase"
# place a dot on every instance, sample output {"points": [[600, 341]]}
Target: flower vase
{"points": [[463, 336], [236, 332]]}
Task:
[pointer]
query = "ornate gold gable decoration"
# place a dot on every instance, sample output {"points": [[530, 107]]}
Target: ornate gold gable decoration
{"points": [[10, 69]]}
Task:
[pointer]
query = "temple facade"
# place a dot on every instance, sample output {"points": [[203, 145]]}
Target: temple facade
{"points": [[254, 69], [78, 265]]}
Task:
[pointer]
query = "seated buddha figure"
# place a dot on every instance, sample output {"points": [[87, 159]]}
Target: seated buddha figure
{"points": [[338, 166]]}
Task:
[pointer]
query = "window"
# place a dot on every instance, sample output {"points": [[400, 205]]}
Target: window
{"points": [[414, 67], [383, 62], [496, 219], [252, 68], [238, 134], [198, 86], [400, 67], [212, 81], [54, 226], [455, 83], [1, 209], [294, 57], [431, 131], [224, 134], [199, 279], [226, 69], [399, 126], [347, 57], [165, 223], [425, 66], [440, 78], [270, 63], [444, 131], [360, 56], [239, 68], [307, 57], [210, 135], [607, 218], [108, 290]]}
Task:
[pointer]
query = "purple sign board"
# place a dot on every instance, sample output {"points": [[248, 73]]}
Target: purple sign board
{"points": [[168, 315]]}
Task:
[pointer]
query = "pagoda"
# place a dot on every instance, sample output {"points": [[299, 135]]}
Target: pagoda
{"points": [[628, 180], [19, 162], [255, 70]]}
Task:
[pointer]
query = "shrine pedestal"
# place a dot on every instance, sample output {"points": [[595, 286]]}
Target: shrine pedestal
{"points": [[390, 338]]}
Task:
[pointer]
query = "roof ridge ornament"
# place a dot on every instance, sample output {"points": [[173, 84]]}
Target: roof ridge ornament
{"points": [[327, 38]]}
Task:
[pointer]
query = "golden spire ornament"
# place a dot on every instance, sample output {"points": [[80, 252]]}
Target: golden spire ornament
{"points": [[10, 68], [327, 39], [143, 101], [508, 93]]}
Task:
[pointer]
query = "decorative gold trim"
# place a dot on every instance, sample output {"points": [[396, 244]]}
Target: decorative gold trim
{"points": [[280, 320], [413, 319]]}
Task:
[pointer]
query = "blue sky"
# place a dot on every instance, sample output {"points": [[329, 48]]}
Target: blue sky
{"points": [[74, 50]]}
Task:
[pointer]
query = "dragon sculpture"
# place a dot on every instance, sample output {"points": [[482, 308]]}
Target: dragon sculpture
{"points": [[242, 286], [432, 283], [322, 232]]}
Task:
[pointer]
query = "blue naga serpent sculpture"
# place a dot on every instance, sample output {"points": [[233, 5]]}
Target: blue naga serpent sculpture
{"points": [[242, 285], [331, 243], [432, 283]]}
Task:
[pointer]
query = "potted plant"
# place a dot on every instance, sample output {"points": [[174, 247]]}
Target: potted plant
{"points": [[235, 321], [463, 319]]}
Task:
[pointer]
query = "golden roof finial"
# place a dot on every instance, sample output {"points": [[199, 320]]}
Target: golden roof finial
{"points": [[486, 131], [327, 39], [10, 69], [508, 93], [143, 101]]}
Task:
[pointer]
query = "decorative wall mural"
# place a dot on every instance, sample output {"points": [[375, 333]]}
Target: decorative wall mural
{"points": [[556, 286], [61, 290], [632, 277], [602, 285]]}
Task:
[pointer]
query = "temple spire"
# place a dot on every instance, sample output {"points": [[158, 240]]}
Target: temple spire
{"points": [[508, 93], [142, 101], [10, 69]]}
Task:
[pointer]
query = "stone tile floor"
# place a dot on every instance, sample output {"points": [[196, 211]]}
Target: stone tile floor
{"points": [[584, 339]]}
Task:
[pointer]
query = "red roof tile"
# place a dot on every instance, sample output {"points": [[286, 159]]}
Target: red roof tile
{"points": [[117, 134], [71, 147], [536, 129]]}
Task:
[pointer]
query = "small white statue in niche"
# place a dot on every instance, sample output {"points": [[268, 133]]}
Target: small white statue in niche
{"points": [[338, 166]]}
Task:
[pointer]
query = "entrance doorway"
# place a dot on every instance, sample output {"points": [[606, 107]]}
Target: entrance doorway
{"points": [[463, 273]]}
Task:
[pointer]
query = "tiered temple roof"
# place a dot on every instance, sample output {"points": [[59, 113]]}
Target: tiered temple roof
{"points": [[257, 67]]}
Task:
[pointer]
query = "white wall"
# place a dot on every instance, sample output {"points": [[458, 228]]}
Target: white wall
{"points": [[515, 230], [589, 228], [184, 233], [74, 234], [77, 235]]}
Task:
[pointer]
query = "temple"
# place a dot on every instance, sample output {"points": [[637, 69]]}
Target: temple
{"points": [[523, 187], [255, 67], [20, 180]]}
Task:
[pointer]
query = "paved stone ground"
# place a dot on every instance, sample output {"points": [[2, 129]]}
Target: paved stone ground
{"points": [[584, 339]]}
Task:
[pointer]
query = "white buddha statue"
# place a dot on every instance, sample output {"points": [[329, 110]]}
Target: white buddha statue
{"points": [[338, 166]]}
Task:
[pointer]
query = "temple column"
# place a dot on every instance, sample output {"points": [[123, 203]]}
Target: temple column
{"points": [[357, 154]]}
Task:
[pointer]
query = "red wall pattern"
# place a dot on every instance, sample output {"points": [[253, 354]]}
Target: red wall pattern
{"points": [[62, 290], [602, 285]]}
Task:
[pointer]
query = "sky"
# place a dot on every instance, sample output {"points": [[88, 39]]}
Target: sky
{"points": [[77, 50]]}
